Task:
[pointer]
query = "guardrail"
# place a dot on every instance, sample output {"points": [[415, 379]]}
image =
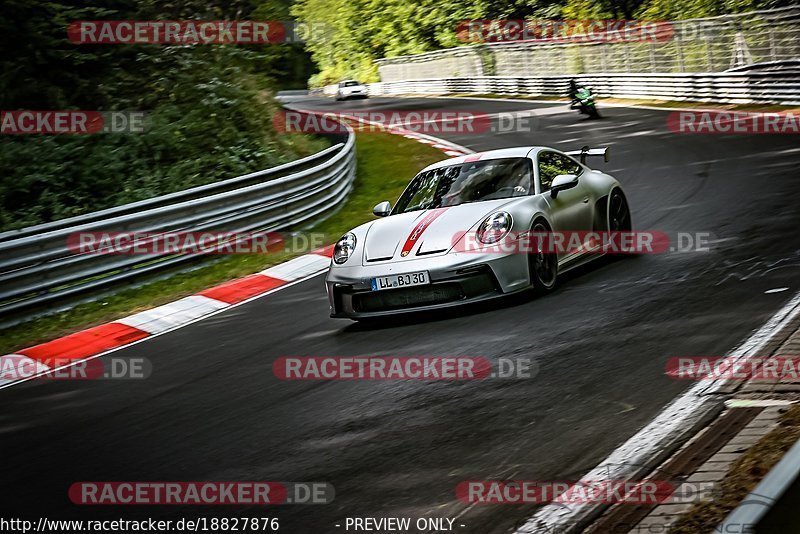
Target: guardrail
{"points": [[780, 86], [38, 269], [745, 517], [691, 45]]}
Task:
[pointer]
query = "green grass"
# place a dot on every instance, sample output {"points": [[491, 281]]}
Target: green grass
{"points": [[510, 96], [385, 164]]}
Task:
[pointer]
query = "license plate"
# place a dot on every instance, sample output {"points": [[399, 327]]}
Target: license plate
{"points": [[400, 280]]}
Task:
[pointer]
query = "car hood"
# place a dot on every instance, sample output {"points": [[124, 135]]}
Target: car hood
{"points": [[416, 234]]}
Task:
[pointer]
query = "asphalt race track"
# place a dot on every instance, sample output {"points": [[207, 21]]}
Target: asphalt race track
{"points": [[212, 409]]}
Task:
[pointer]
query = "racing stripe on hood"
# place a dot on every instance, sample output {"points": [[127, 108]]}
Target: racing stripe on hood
{"points": [[419, 229]]}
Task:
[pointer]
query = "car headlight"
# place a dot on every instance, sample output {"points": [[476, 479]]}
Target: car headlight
{"points": [[494, 228], [344, 248]]}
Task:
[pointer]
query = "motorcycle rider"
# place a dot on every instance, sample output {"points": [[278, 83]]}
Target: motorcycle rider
{"points": [[578, 94], [573, 94]]}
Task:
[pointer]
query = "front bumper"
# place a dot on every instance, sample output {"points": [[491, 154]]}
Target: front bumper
{"points": [[456, 279], [354, 94]]}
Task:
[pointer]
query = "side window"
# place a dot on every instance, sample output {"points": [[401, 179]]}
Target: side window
{"points": [[552, 164]]}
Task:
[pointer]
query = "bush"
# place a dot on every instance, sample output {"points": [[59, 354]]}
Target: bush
{"points": [[208, 107]]}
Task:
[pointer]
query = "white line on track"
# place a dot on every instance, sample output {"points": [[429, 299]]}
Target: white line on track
{"points": [[646, 448], [422, 138]]}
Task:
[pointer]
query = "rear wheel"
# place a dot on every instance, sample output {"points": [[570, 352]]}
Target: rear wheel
{"points": [[619, 216], [542, 264]]}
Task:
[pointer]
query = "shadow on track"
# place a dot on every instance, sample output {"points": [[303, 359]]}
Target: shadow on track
{"points": [[466, 310]]}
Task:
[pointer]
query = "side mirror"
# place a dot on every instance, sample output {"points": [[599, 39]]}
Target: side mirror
{"points": [[562, 182], [382, 209]]}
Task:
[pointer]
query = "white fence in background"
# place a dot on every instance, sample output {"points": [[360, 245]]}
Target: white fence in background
{"points": [[779, 86], [697, 45]]}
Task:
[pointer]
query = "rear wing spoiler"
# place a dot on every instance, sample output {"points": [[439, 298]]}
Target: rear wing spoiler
{"points": [[586, 151]]}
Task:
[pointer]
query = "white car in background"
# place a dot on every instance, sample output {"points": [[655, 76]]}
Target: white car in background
{"points": [[351, 89]]}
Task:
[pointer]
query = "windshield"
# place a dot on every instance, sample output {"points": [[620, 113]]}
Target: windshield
{"points": [[351, 84], [467, 182]]}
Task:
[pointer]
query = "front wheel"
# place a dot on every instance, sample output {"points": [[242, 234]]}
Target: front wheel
{"points": [[542, 263]]}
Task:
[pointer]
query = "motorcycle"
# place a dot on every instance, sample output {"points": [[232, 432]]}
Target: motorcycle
{"points": [[584, 103]]}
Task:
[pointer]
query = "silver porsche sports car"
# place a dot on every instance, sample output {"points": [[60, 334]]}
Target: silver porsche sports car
{"points": [[438, 246]]}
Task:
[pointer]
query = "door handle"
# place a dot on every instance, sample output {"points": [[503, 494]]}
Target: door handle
{"points": [[585, 200]]}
